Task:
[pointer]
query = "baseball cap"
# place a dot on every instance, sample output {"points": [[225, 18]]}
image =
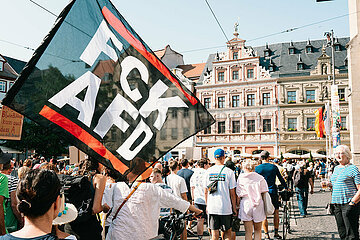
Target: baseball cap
{"points": [[219, 153], [264, 154]]}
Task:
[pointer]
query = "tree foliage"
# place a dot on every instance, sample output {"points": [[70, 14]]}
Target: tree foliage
{"points": [[42, 140]]}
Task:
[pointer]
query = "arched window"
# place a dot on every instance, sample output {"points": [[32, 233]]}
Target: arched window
{"points": [[237, 151], [322, 152], [257, 152], [299, 152]]}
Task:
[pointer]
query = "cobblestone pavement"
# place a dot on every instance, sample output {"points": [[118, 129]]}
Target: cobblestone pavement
{"points": [[317, 225]]}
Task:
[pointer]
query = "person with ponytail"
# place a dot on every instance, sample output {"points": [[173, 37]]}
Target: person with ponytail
{"points": [[38, 193]]}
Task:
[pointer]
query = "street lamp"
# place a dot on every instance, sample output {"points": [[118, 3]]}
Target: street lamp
{"points": [[335, 105], [277, 141]]}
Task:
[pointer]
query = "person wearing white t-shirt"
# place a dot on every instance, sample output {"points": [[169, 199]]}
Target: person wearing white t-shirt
{"points": [[138, 218], [221, 205], [155, 178], [198, 193], [178, 185]]}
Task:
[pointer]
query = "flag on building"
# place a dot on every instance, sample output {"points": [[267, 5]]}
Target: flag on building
{"points": [[319, 122], [94, 79], [327, 119]]}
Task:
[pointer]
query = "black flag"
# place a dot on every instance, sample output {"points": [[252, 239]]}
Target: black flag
{"points": [[94, 80]]}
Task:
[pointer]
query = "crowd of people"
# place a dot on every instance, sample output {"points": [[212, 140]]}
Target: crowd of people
{"points": [[220, 193]]}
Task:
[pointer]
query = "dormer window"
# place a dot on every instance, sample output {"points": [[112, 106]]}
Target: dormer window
{"points": [[267, 51], [337, 45], [291, 51], [300, 64], [271, 66], [291, 48], [309, 47], [235, 55]]}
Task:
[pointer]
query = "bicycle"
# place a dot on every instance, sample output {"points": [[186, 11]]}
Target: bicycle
{"points": [[286, 206], [171, 226]]}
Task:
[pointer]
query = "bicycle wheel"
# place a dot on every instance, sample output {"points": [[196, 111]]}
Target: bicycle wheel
{"points": [[285, 222], [290, 211]]}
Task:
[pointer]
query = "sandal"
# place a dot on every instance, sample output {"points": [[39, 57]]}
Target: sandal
{"points": [[277, 236], [267, 236]]}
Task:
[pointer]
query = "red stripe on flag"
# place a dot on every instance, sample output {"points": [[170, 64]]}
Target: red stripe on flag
{"points": [[83, 136], [122, 30]]}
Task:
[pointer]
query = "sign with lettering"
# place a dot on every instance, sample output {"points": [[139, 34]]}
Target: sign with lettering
{"points": [[10, 124]]}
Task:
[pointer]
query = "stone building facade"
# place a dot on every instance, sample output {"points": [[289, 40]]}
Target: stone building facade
{"points": [[241, 95], [304, 87], [264, 98]]}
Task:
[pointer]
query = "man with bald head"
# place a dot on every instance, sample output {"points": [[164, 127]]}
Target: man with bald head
{"points": [[159, 166]]}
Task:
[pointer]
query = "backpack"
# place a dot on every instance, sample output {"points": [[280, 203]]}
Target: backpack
{"points": [[79, 192], [299, 178]]}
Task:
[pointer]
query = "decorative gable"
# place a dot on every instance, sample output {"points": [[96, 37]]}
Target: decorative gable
{"points": [[323, 66]]}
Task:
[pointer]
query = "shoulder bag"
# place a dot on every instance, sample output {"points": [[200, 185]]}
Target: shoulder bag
{"points": [[212, 187], [268, 206]]}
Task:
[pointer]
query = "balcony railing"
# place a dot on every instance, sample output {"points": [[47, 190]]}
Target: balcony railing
{"points": [[237, 137]]}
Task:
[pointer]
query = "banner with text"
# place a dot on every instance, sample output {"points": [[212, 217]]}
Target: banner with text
{"points": [[11, 124], [96, 80]]}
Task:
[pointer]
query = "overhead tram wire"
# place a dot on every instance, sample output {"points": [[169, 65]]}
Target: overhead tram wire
{"points": [[18, 45], [277, 33], [217, 20], [213, 13], [207, 48], [32, 49], [47, 10], [303, 26]]}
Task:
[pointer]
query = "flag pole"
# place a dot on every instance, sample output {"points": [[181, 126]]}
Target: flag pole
{"points": [[327, 147], [330, 127]]}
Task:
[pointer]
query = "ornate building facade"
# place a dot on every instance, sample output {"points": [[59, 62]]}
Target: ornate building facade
{"points": [[264, 98], [241, 95], [305, 87]]}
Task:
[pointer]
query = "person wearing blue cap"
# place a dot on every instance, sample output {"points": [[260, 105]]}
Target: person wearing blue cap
{"points": [[221, 204], [270, 172]]}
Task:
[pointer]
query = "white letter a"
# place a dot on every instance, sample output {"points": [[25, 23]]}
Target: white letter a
{"points": [[68, 96]]}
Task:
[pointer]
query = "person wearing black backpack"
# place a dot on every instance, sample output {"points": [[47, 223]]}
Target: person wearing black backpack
{"points": [[302, 180], [85, 192]]}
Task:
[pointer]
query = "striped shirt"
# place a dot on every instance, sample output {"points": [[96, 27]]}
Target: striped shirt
{"points": [[12, 183], [344, 181]]}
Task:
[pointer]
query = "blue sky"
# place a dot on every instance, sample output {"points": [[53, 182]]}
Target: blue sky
{"points": [[184, 24]]}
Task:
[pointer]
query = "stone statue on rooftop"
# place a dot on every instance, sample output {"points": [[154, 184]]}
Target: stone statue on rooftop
{"points": [[236, 25]]}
